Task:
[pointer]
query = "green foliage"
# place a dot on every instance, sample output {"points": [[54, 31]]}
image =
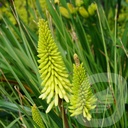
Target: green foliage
{"points": [[100, 41]]}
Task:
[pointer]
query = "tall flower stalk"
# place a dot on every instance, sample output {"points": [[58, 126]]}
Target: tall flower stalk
{"points": [[52, 69], [82, 99]]}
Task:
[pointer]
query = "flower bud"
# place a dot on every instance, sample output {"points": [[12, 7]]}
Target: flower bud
{"points": [[83, 12], [72, 10], [64, 12], [56, 1], [79, 2], [92, 8]]}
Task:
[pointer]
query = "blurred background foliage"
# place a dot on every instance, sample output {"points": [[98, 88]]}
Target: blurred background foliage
{"points": [[100, 38]]}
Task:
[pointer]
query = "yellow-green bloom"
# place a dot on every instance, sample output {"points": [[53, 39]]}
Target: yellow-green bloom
{"points": [[83, 12], [56, 1], [71, 8], [92, 8], [37, 117], [79, 2], [64, 12], [82, 99], [52, 68]]}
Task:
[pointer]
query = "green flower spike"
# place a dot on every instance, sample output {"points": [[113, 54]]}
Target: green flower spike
{"points": [[52, 69], [37, 117], [82, 99]]}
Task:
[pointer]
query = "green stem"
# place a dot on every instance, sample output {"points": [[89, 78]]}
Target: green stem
{"points": [[63, 114]]}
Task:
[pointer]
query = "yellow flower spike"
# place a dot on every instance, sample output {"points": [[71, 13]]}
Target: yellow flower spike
{"points": [[64, 12], [92, 8], [52, 69], [37, 117], [79, 2], [82, 99], [83, 12]]}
